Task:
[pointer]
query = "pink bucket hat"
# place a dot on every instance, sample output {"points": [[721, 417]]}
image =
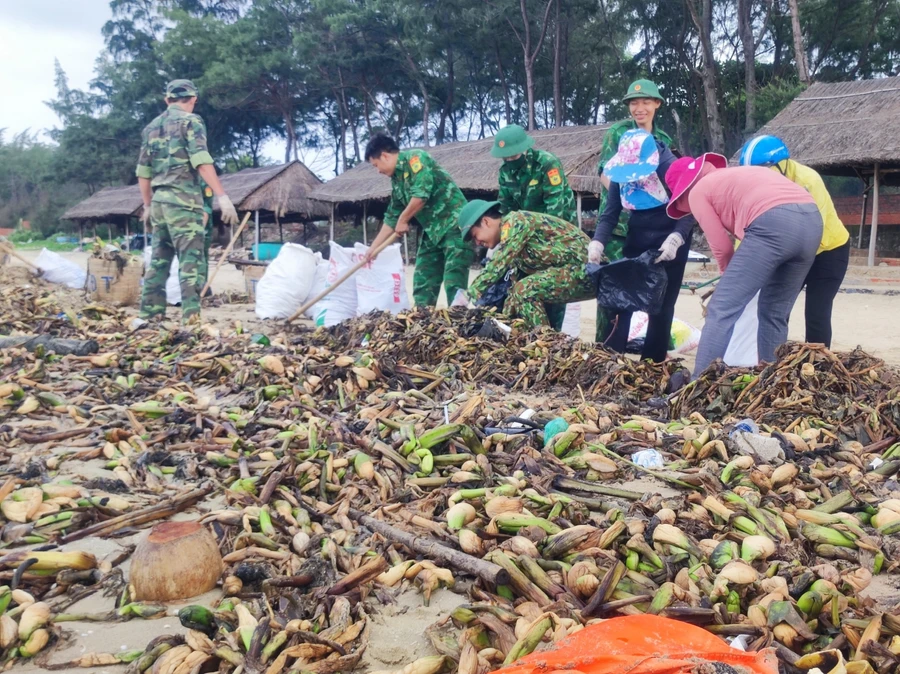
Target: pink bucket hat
{"points": [[683, 174]]}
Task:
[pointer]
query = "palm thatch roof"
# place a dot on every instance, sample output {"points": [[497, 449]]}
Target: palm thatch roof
{"points": [[844, 126], [283, 189], [474, 169], [110, 203]]}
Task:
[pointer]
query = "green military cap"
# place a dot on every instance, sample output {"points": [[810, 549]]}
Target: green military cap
{"points": [[643, 89], [510, 141], [471, 213], [180, 89]]}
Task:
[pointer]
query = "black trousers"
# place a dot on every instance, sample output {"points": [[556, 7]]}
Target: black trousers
{"points": [[659, 327], [822, 284]]}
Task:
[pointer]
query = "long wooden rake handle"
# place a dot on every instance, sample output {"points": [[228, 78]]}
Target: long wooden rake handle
{"points": [[350, 272], [225, 254]]}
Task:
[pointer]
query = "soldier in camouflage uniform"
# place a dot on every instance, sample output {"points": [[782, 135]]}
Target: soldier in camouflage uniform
{"points": [[548, 254], [530, 179], [533, 180], [421, 189], [643, 100], [172, 161]]}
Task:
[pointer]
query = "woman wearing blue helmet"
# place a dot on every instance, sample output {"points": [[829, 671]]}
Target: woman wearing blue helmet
{"points": [[827, 273]]}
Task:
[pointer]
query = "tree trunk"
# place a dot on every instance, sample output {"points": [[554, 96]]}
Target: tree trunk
{"points": [[557, 71], [799, 51], [504, 83], [701, 13], [447, 109], [289, 132], [745, 29], [531, 56]]}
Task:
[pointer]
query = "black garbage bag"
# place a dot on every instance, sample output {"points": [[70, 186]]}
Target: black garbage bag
{"points": [[495, 296], [630, 284]]}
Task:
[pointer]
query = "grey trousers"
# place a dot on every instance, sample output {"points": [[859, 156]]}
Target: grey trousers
{"points": [[778, 249]]}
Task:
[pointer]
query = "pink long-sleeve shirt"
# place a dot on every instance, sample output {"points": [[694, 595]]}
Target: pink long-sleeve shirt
{"points": [[728, 200]]}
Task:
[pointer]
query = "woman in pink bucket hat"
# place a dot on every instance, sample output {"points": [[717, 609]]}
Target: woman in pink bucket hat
{"points": [[779, 227]]}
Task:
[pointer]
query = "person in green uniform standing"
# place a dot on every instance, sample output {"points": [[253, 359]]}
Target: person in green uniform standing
{"points": [[644, 100], [172, 161], [530, 179], [422, 190], [548, 254], [533, 180], [208, 230]]}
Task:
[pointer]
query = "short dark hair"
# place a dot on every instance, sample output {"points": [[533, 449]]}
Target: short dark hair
{"points": [[180, 99], [380, 143], [493, 212]]}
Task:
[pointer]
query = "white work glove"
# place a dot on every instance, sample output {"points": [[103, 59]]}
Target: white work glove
{"points": [[145, 216], [461, 299], [669, 247], [229, 214], [595, 252]]}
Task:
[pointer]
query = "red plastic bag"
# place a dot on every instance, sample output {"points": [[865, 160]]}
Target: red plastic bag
{"points": [[643, 644]]}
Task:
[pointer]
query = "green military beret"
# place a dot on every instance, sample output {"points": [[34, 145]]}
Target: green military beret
{"points": [[510, 141], [471, 213], [643, 89], [180, 89]]}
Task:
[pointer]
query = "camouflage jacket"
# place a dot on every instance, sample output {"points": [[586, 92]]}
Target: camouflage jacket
{"points": [[531, 242], [207, 198], [172, 147], [610, 147], [536, 182], [418, 175]]}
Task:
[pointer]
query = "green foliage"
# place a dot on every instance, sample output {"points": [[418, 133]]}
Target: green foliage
{"points": [[323, 75]]}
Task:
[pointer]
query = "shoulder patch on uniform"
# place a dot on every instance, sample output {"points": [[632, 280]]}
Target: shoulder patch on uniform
{"points": [[555, 178], [208, 192], [415, 163]]}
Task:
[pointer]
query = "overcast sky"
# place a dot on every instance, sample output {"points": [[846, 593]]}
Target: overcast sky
{"points": [[32, 34]]}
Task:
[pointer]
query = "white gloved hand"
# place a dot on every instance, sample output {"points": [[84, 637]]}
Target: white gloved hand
{"points": [[461, 299], [229, 214], [595, 252], [145, 216], [669, 247]]}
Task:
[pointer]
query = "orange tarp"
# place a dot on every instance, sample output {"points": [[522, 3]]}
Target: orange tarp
{"points": [[643, 644]]}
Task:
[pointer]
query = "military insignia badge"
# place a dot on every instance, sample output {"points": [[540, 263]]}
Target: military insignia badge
{"points": [[532, 183], [555, 178], [415, 164], [637, 87], [501, 143], [208, 192]]}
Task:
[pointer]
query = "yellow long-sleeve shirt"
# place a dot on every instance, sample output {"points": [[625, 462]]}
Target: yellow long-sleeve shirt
{"points": [[834, 234]]}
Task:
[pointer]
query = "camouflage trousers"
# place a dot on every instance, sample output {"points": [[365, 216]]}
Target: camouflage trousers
{"points": [[176, 231], [207, 242], [555, 286], [446, 261], [613, 251]]}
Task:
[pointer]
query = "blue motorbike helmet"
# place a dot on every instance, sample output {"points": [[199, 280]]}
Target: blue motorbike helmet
{"points": [[764, 151]]}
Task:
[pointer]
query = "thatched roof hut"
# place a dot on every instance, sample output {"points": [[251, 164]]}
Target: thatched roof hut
{"points": [[846, 128], [111, 204], [474, 169], [843, 128], [281, 190]]}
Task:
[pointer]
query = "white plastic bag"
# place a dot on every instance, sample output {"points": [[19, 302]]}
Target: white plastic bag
{"points": [[319, 284], [685, 337], [287, 282], [57, 269], [381, 284], [173, 283], [742, 349], [572, 322], [340, 305]]}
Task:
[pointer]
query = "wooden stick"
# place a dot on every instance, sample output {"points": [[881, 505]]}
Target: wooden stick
{"points": [[350, 272], [9, 249], [363, 574], [156, 512], [225, 254], [431, 548]]}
